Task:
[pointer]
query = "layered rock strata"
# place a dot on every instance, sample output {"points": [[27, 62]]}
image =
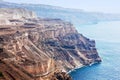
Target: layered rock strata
{"points": [[42, 49], [8, 15]]}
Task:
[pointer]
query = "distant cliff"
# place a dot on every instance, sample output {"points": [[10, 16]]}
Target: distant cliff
{"points": [[16, 13], [7, 14], [77, 17], [42, 49]]}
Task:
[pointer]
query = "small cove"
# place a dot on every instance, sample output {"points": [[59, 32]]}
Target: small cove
{"points": [[107, 36]]}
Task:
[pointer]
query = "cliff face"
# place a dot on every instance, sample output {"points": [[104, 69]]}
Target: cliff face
{"points": [[64, 44], [7, 14], [16, 13], [75, 16], [41, 49]]}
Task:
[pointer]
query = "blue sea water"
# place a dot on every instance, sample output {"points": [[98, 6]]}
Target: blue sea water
{"points": [[107, 36]]}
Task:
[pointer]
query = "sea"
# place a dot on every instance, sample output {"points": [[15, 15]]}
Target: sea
{"points": [[107, 37]]}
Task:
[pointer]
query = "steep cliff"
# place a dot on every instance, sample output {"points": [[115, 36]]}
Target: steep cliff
{"points": [[43, 49], [7, 14], [16, 13]]}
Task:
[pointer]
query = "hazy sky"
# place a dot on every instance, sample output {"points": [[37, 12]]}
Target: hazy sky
{"points": [[107, 6]]}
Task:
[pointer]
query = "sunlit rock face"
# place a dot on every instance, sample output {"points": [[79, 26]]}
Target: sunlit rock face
{"points": [[4, 21], [16, 13], [7, 15], [42, 49], [67, 46]]}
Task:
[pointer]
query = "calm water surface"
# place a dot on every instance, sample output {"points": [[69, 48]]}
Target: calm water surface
{"points": [[107, 36]]}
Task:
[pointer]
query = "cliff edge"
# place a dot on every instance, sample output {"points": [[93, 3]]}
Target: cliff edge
{"points": [[42, 49], [7, 14]]}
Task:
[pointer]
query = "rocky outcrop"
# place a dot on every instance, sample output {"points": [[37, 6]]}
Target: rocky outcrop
{"points": [[9, 14], [16, 13], [4, 21], [43, 49], [61, 41], [60, 76]]}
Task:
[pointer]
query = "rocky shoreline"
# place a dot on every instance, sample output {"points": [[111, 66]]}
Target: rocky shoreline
{"points": [[79, 67], [32, 48]]}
